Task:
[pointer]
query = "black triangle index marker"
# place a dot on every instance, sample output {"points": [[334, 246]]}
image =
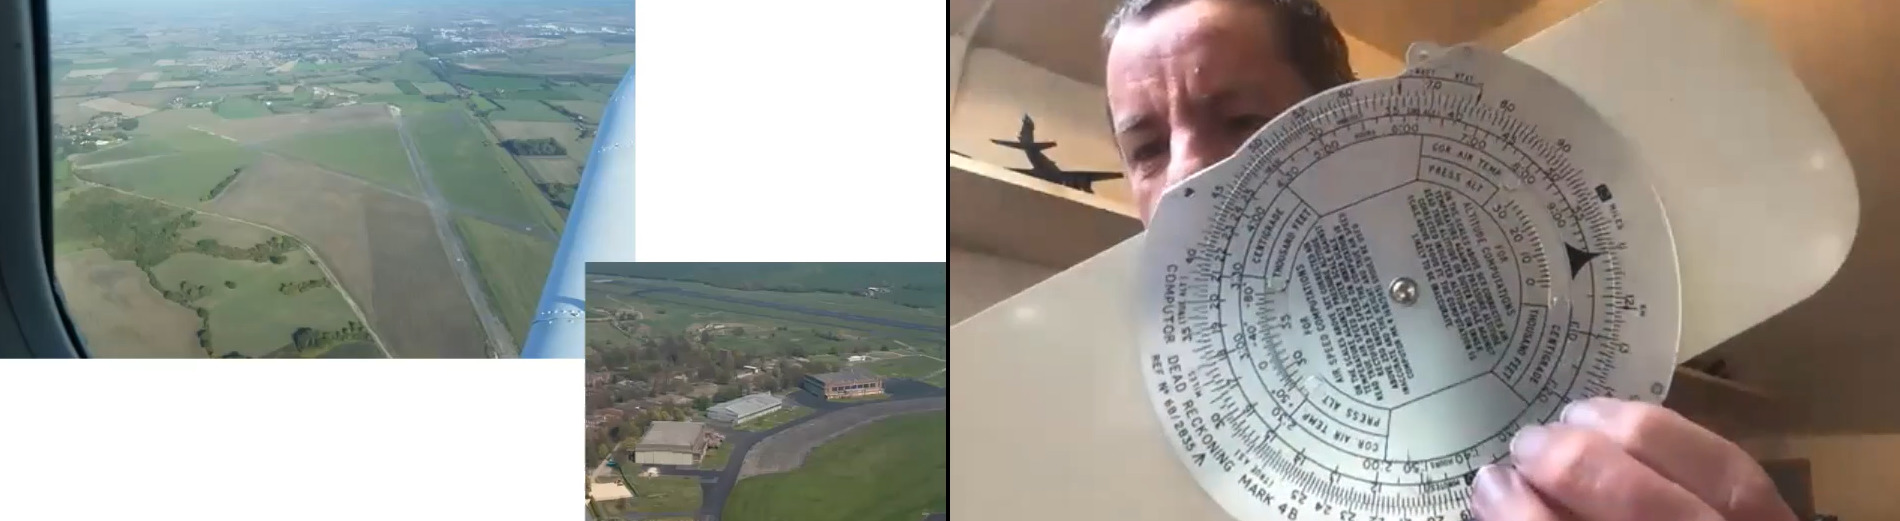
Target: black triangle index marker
{"points": [[1578, 259]]}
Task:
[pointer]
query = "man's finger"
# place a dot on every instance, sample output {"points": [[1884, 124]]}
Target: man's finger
{"points": [[1702, 462], [1501, 494], [1585, 473]]}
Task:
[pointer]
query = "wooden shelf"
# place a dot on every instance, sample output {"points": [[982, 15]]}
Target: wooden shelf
{"points": [[1001, 212], [1731, 409]]}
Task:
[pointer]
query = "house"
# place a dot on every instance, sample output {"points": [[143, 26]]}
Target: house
{"points": [[674, 443], [743, 409], [850, 382]]}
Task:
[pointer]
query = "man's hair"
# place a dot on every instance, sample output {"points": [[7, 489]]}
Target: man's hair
{"points": [[1312, 43]]}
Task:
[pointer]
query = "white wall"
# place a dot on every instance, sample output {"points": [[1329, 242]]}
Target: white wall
{"points": [[979, 280], [959, 47], [997, 89], [663, 458]]}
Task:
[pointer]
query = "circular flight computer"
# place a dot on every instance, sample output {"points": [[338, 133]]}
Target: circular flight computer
{"points": [[1359, 309]]}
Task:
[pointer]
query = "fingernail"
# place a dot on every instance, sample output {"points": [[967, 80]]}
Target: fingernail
{"points": [[1490, 488], [1579, 413], [1529, 441]]}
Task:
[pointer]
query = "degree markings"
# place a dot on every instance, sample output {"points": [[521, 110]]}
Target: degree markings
{"points": [[1292, 150]]}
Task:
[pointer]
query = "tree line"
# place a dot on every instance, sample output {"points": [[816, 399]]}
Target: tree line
{"points": [[305, 339], [271, 250], [653, 363], [534, 147], [293, 288], [215, 190]]}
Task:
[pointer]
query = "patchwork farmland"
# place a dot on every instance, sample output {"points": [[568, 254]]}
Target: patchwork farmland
{"points": [[334, 191]]}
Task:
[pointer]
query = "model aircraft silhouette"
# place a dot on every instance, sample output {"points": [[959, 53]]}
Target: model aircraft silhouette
{"points": [[1041, 167]]}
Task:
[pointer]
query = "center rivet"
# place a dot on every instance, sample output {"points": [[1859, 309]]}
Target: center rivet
{"points": [[1404, 291]]}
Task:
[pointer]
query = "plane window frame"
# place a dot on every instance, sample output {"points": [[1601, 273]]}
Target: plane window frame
{"points": [[31, 300]]}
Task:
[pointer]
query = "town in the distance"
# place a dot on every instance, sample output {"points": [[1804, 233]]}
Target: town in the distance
{"points": [[767, 392], [345, 178]]}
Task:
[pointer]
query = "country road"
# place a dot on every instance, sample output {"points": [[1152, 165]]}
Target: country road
{"points": [[501, 344], [322, 265]]}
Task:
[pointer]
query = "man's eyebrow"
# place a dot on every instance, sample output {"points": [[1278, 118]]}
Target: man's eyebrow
{"points": [[1135, 122], [1216, 102]]}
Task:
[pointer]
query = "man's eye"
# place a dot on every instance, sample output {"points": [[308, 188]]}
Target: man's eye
{"points": [[1145, 152], [1247, 123]]}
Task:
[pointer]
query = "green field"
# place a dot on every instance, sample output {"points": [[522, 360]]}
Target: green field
{"points": [[761, 333], [483, 103], [596, 92], [513, 269], [576, 48], [373, 87], [183, 179], [838, 302], [893, 470], [255, 318], [538, 94], [590, 109], [915, 284], [372, 153], [175, 121], [776, 418], [603, 332], [407, 87], [666, 494], [470, 170], [913, 367], [411, 105], [619, 59], [406, 70], [309, 66], [254, 78], [716, 459], [526, 110], [487, 82], [766, 329], [62, 179], [241, 107], [435, 87], [133, 149]]}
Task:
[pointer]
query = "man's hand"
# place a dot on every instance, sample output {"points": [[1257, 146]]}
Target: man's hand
{"points": [[1612, 460]]}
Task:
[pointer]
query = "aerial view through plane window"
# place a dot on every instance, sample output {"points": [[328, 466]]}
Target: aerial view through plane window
{"points": [[762, 392], [343, 179]]}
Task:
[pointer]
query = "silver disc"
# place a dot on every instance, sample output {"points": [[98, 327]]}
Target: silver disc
{"points": [[1361, 307]]}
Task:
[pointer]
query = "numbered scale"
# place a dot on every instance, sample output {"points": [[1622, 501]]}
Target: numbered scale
{"points": [[1361, 307]]}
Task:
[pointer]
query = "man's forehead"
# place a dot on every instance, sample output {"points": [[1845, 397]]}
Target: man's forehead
{"points": [[1221, 96], [1198, 24]]}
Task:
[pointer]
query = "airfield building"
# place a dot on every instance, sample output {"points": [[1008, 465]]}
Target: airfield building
{"points": [[674, 443], [744, 409], [850, 382]]}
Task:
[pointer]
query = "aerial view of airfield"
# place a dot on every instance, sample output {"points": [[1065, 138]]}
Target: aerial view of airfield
{"points": [[767, 392], [338, 179]]}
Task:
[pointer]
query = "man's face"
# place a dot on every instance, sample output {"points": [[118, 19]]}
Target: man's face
{"points": [[1187, 86]]}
